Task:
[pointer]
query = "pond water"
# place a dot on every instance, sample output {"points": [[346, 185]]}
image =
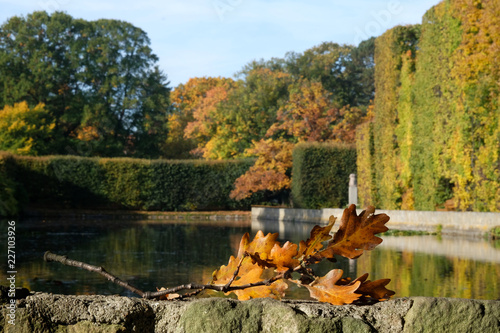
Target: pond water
{"points": [[166, 254]]}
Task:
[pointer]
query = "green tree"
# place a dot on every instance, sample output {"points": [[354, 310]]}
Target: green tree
{"points": [[37, 65], [252, 108], [359, 74], [99, 74], [324, 63], [347, 72]]}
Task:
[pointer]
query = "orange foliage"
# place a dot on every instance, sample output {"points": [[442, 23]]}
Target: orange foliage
{"points": [[206, 119], [268, 172], [326, 289], [308, 115], [248, 272]]}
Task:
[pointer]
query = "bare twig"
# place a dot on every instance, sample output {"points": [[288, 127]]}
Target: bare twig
{"points": [[236, 271], [48, 256]]}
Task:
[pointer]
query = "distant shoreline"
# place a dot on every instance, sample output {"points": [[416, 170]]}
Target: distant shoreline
{"points": [[470, 224], [86, 214]]}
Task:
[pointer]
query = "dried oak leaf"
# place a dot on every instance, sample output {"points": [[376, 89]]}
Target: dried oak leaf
{"points": [[274, 290], [284, 257], [315, 241], [373, 291], [260, 244], [249, 270], [326, 289], [356, 233]]}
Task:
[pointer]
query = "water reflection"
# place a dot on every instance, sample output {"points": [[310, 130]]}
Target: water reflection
{"points": [[169, 253], [148, 255]]}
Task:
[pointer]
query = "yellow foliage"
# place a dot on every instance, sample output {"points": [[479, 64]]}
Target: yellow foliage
{"points": [[25, 130]]}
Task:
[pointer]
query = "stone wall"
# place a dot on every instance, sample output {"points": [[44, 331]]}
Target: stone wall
{"points": [[58, 313]]}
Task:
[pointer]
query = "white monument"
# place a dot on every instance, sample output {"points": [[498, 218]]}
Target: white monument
{"points": [[353, 189]]}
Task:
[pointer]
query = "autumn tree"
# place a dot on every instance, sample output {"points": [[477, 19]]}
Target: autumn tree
{"points": [[228, 117], [330, 95], [250, 110], [207, 126], [186, 99], [308, 115], [271, 171], [98, 75], [225, 122]]}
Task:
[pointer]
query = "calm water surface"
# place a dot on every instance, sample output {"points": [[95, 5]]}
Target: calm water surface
{"points": [[167, 254]]}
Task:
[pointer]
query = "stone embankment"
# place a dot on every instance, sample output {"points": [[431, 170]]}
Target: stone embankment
{"points": [[475, 224], [58, 313]]}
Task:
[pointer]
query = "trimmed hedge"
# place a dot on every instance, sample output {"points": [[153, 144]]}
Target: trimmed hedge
{"points": [[320, 174], [124, 183], [9, 205]]}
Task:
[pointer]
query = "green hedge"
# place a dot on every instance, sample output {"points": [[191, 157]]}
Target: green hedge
{"points": [[9, 204], [320, 174], [124, 183]]}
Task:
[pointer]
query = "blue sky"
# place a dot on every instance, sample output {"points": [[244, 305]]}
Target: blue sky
{"points": [[195, 38]]}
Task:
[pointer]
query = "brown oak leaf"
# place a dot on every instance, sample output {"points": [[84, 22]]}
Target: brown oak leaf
{"points": [[326, 289], [356, 233], [316, 239], [260, 244], [274, 290], [375, 290], [251, 255], [284, 257]]}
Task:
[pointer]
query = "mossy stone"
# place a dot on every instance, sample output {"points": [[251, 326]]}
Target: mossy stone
{"points": [[450, 315]]}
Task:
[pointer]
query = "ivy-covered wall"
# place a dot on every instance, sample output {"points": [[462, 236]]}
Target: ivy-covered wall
{"points": [[365, 153], [474, 148], [436, 131], [433, 107], [391, 49]]}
